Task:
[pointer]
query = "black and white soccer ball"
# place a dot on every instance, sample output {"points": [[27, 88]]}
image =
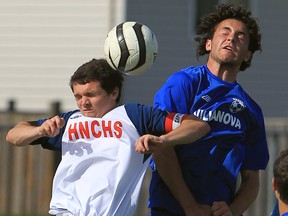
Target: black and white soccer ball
{"points": [[131, 48]]}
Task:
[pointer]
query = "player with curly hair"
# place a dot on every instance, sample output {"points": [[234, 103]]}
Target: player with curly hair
{"points": [[201, 178]]}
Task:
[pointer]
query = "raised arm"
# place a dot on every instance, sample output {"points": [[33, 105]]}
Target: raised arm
{"points": [[24, 133], [190, 130]]}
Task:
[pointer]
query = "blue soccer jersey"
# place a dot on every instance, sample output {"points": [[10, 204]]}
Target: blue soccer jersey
{"points": [[237, 140], [100, 172]]}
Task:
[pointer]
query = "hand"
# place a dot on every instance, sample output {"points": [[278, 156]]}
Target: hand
{"points": [[148, 144], [200, 210], [221, 209], [51, 127]]}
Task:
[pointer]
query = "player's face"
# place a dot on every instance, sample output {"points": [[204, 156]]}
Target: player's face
{"points": [[93, 100], [229, 44]]}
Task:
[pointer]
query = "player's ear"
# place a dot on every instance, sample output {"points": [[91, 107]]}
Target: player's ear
{"points": [[248, 56], [115, 93], [275, 187], [208, 45], [274, 184]]}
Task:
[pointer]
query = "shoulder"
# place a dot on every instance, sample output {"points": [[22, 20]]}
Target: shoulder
{"points": [[137, 108], [189, 75], [185, 77], [191, 71], [146, 119], [254, 108], [137, 112], [250, 102], [65, 116]]}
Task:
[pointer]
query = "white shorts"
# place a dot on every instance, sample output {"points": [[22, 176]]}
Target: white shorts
{"points": [[65, 214]]}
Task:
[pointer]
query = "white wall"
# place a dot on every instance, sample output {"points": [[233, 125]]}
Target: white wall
{"points": [[43, 42], [265, 80]]}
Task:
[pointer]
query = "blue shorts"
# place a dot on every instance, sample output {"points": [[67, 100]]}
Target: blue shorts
{"points": [[162, 212]]}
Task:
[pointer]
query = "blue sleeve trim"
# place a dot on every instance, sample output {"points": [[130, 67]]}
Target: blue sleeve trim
{"points": [[55, 143], [147, 119]]}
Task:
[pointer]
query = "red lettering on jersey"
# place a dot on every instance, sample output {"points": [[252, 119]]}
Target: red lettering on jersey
{"points": [[94, 130], [118, 129], [84, 130], [73, 130], [107, 128]]}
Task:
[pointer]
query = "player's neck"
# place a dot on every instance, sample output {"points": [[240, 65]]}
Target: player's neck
{"points": [[224, 72], [283, 208]]}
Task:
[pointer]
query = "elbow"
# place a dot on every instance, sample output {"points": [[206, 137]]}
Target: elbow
{"points": [[202, 127], [9, 139], [12, 140], [205, 128]]}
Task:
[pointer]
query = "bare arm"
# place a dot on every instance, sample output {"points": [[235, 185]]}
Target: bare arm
{"points": [[166, 163], [245, 196], [24, 133], [247, 192], [190, 130]]}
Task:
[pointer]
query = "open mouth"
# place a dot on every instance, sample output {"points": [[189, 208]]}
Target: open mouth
{"points": [[228, 48]]}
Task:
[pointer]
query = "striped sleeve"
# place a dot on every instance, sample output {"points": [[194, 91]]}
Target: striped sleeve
{"points": [[173, 120]]}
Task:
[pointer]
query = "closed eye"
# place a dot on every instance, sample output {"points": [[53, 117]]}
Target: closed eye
{"points": [[77, 97]]}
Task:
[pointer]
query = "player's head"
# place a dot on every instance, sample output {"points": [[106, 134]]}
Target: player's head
{"points": [[280, 176], [209, 23], [99, 70]]}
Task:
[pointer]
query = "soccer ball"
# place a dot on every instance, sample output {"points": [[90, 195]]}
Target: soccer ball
{"points": [[131, 48]]}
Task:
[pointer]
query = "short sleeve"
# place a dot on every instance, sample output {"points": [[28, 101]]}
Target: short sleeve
{"points": [[256, 155], [176, 95], [54, 143]]}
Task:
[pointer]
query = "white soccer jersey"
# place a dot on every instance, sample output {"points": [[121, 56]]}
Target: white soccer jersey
{"points": [[100, 173]]}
